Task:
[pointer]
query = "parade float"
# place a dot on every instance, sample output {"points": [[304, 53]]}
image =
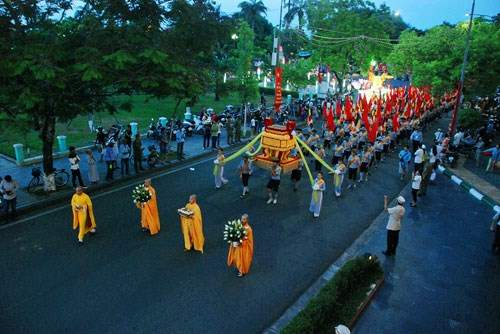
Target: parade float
{"points": [[275, 145]]}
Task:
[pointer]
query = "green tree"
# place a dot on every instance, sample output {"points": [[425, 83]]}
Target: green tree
{"points": [[350, 32], [296, 9], [435, 57], [252, 11], [56, 67], [296, 72], [244, 82]]}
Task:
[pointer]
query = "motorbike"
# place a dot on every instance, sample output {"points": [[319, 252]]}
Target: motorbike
{"points": [[153, 132], [153, 156]]}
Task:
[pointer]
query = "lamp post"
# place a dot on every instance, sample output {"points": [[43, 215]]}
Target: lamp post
{"points": [[453, 123]]}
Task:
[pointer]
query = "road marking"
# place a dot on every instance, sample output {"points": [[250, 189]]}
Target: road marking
{"points": [[456, 180], [476, 193], [171, 171]]}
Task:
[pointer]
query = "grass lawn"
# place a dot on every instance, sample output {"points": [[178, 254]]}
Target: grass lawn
{"points": [[78, 133]]}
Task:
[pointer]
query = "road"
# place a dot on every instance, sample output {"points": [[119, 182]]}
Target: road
{"points": [[124, 281]]}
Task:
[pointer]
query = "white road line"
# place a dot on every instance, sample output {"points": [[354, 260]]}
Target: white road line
{"points": [[456, 179], [171, 171], [476, 193]]}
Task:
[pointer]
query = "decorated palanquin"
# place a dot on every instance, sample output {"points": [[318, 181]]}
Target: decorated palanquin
{"points": [[277, 142]]}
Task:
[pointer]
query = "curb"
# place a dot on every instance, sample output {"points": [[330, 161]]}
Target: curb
{"points": [[352, 251], [64, 196], [470, 189]]}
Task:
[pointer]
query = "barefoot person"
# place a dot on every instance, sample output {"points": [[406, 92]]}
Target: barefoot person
{"points": [[150, 219], [192, 226], [317, 195], [83, 214], [241, 255]]}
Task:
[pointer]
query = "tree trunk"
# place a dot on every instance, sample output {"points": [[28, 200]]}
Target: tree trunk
{"points": [[47, 134]]}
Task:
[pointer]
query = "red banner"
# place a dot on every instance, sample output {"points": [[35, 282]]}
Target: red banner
{"points": [[278, 98]]}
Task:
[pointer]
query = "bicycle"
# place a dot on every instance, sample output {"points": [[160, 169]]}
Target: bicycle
{"points": [[61, 178]]}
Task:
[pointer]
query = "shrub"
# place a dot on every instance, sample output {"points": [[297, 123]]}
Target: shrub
{"points": [[338, 300]]}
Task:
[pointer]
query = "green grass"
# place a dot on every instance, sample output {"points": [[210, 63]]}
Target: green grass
{"points": [[77, 131]]}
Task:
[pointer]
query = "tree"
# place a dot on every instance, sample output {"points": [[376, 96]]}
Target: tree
{"points": [[296, 73], [297, 9], [435, 57], [350, 32], [244, 82], [56, 67], [252, 10]]}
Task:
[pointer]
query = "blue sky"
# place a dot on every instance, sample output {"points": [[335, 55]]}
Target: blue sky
{"points": [[421, 14]]}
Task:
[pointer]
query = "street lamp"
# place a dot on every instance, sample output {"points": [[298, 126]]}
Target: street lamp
{"points": [[234, 37], [397, 13]]}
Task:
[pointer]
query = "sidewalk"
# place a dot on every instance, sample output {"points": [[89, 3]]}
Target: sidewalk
{"points": [[444, 278], [22, 174]]}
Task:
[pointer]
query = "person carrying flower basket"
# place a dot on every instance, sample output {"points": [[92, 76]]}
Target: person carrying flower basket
{"points": [[145, 199], [192, 226], [240, 253], [83, 214]]}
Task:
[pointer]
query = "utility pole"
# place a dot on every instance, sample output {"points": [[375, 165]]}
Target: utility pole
{"points": [[453, 123]]}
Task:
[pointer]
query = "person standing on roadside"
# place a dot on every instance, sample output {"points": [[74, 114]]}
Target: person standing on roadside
{"points": [[137, 148], [180, 138], [93, 173], [394, 224], [124, 150], [214, 131], [74, 165], [110, 160], [206, 132], [8, 189], [237, 130]]}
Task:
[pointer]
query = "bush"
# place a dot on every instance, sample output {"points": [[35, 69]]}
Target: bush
{"points": [[338, 300], [469, 119]]}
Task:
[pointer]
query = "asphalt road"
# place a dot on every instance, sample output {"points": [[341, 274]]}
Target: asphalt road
{"points": [[124, 281]]}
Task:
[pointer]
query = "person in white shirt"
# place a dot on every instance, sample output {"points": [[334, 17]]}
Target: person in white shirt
{"points": [[458, 138], [419, 158], [415, 186], [8, 189], [394, 224], [74, 165]]}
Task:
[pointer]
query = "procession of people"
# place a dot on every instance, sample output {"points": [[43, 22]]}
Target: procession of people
{"points": [[358, 141]]}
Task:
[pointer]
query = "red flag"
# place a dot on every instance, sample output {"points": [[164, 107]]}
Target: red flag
{"points": [[395, 122], [278, 92], [347, 109], [330, 121], [324, 110], [338, 108]]}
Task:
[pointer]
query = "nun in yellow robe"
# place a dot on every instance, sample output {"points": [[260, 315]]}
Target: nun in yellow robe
{"points": [[192, 227], [150, 219], [83, 214]]}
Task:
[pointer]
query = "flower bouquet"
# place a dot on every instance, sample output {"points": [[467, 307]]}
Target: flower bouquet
{"points": [[141, 194], [234, 233], [185, 212]]}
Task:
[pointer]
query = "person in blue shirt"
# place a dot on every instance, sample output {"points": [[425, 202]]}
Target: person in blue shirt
{"points": [[495, 156], [180, 137], [416, 139], [404, 159], [110, 160]]}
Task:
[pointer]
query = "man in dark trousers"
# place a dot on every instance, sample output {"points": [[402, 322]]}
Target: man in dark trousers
{"points": [[137, 148], [394, 224]]}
